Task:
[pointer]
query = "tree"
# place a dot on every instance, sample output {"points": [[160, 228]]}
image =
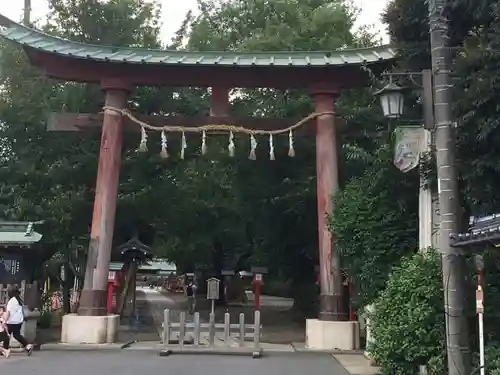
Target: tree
{"points": [[375, 224], [471, 32], [51, 176]]}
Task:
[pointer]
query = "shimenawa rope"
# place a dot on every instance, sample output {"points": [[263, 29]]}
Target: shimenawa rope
{"points": [[231, 129]]}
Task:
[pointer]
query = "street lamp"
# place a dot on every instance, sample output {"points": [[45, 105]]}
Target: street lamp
{"points": [[413, 143], [391, 100], [392, 95]]}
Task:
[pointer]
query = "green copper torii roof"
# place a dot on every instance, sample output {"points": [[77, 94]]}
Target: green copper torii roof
{"points": [[42, 42]]}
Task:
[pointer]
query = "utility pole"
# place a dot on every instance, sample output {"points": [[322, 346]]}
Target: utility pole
{"points": [[453, 258], [27, 12]]}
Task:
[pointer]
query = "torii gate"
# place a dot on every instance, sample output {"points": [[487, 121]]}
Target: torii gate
{"points": [[120, 69]]}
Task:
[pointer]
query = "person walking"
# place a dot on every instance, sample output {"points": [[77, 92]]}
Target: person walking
{"points": [[191, 296], [14, 319], [4, 334]]}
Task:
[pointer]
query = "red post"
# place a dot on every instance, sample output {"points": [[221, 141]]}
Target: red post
{"points": [[327, 184], [109, 302], [93, 298]]}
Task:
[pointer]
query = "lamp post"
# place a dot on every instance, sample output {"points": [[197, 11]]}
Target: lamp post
{"points": [[392, 102], [437, 115]]}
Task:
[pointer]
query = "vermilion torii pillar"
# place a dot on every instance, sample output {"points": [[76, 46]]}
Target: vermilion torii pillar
{"points": [[93, 298], [327, 183]]}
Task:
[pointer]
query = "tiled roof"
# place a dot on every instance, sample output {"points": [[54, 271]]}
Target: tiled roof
{"points": [[116, 266], [482, 231], [134, 244], [14, 233], [157, 265], [46, 43]]}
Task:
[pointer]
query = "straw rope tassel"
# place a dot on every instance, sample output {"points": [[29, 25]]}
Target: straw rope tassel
{"points": [[183, 145], [291, 150], [204, 142], [215, 127], [143, 146], [253, 147], [271, 147], [231, 146], [164, 145]]}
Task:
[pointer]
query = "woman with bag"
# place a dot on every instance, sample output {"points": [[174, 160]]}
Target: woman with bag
{"points": [[14, 319]]}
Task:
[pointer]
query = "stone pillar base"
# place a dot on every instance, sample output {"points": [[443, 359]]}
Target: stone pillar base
{"points": [[93, 302], [80, 329], [328, 335]]}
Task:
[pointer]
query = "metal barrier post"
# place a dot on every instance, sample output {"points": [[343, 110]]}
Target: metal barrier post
{"points": [[182, 328], [166, 327], [256, 331], [242, 329], [196, 328], [211, 329], [227, 327]]}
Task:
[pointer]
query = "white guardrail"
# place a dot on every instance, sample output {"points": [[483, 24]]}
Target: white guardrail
{"points": [[217, 338]]}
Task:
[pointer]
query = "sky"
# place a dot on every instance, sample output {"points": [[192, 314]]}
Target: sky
{"points": [[175, 10]]}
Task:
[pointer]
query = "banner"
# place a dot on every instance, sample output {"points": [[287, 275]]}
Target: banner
{"points": [[408, 146]]}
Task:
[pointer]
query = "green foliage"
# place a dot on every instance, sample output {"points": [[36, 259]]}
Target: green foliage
{"points": [[273, 25], [279, 288], [133, 23], [492, 358], [492, 298], [408, 323], [477, 108], [475, 33], [375, 224], [45, 320], [51, 176]]}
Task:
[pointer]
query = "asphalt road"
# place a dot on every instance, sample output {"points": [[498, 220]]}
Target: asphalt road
{"points": [[148, 363]]}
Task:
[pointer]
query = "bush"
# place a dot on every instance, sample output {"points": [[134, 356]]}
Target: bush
{"points": [[279, 288], [492, 359], [408, 323], [374, 224], [45, 320]]}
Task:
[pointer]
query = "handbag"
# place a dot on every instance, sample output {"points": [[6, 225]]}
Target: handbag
{"points": [[23, 309], [25, 316]]}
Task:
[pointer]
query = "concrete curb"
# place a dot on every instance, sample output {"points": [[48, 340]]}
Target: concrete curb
{"points": [[301, 348], [157, 348], [81, 347], [115, 347], [212, 351]]}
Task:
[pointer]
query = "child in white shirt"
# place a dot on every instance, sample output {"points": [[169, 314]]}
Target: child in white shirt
{"points": [[4, 334]]}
